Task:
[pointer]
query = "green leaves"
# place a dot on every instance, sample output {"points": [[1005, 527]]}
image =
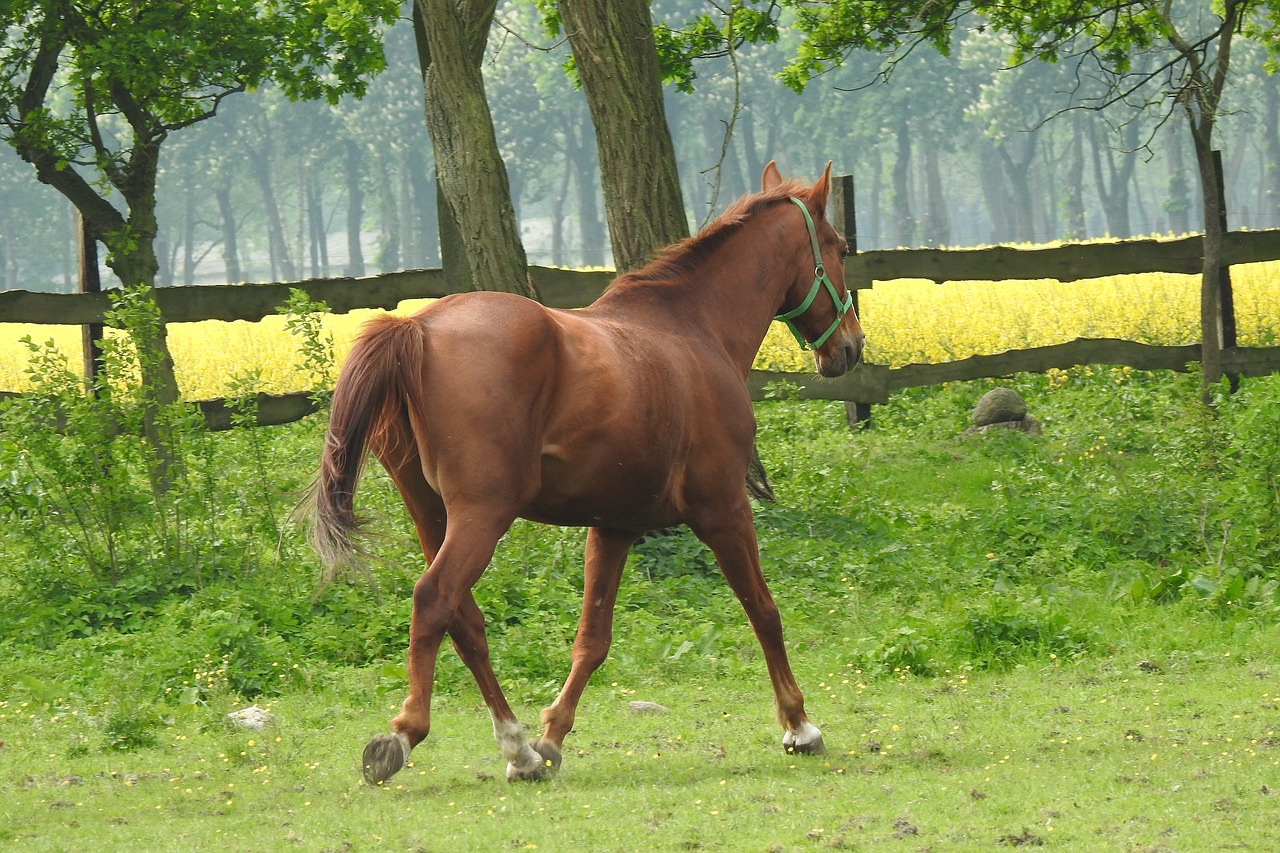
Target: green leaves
{"points": [[139, 71], [303, 319], [705, 37], [1114, 31]]}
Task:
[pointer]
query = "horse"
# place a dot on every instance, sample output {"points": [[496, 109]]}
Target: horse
{"points": [[627, 416]]}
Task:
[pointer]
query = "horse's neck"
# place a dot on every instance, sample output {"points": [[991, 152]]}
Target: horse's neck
{"points": [[728, 297]]}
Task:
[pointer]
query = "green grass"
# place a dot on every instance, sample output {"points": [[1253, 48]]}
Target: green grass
{"points": [[1064, 641], [1180, 753]]}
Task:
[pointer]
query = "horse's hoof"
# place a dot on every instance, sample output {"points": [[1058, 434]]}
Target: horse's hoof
{"points": [[384, 755], [539, 763], [807, 740], [815, 747], [550, 753]]}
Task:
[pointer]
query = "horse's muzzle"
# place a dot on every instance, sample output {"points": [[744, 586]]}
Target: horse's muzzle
{"points": [[840, 358], [853, 351]]}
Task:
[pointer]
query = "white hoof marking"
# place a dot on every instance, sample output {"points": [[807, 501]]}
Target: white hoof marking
{"points": [[806, 734], [522, 760]]}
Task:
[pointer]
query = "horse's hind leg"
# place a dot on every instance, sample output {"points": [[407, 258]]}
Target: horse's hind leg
{"points": [[606, 554], [438, 600], [732, 538], [396, 449]]}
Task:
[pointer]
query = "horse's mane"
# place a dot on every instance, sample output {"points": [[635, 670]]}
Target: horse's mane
{"points": [[678, 259]]}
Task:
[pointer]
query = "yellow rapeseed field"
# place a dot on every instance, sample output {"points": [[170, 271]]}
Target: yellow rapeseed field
{"points": [[906, 321]]}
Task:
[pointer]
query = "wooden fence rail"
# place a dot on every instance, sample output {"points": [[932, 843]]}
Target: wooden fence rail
{"points": [[870, 383]]}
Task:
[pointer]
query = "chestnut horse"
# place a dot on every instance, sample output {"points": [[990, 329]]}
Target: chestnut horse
{"points": [[627, 416]]}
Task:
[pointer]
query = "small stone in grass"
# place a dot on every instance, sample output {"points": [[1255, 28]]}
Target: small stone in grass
{"points": [[639, 707], [252, 717]]}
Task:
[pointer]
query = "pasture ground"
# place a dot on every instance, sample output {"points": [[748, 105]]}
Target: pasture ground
{"points": [[1066, 641], [1138, 755]]}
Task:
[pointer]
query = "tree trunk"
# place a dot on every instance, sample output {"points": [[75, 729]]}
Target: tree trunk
{"points": [[1073, 204], [903, 220], [282, 268], [751, 152], [1203, 82], [317, 238], [1016, 155], [132, 257], [410, 235], [453, 254], [937, 221], [423, 207], [1112, 182], [1270, 184], [230, 248], [131, 241], [388, 257], [8, 256], [189, 238], [591, 229], [558, 199], [90, 282], [994, 193], [321, 226], [469, 167], [1178, 205], [873, 224], [355, 211], [617, 61]]}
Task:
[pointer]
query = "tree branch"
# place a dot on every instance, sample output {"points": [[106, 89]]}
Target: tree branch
{"points": [[207, 114], [32, 142]]}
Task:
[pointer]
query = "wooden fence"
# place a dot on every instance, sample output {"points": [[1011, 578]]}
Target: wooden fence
{"points": [[869, 383]]}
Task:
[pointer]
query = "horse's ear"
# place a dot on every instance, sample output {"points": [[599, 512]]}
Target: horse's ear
{"points": [[822, 188], [771, 177]]}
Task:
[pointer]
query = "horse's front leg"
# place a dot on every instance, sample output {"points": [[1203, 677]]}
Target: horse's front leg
{"points": [[468, 634], [731, 536], [605, 556]]}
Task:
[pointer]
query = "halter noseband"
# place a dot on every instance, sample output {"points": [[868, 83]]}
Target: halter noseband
{"points": [[819, 279]]}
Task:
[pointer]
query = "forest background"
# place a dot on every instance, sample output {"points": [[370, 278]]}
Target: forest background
{"points": [[948, 151]]}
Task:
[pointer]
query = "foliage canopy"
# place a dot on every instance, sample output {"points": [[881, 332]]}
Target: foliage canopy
{"points": [[95, 84]]}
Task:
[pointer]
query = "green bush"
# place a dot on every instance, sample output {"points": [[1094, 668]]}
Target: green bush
{"points": [[905, 548]]}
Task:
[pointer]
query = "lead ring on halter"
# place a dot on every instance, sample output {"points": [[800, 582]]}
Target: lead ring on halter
{"points": [[819, 278]]}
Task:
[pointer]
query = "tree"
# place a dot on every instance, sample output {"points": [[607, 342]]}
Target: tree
{"points": [[1190, 48], [90, 91], [616, 59], [469, 167]]}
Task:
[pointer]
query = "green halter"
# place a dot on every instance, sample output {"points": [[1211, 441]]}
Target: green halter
{"points": [[819, 278]]}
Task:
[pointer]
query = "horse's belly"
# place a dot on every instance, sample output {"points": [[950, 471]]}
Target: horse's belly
{"points": [[625, 494], [639, 519]]}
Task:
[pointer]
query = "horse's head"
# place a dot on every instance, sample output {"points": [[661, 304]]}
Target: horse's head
{"points": [[816, 306]]}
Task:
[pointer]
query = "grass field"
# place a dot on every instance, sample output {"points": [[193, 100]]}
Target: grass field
{"points": [[1125, 754]]}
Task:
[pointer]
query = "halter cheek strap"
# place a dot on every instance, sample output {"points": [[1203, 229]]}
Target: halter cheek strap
{"points": [[820, 280]]}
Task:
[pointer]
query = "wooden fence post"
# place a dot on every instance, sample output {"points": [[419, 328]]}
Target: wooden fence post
{"points": [[1226, 301], [845, 218], [89, 281]]}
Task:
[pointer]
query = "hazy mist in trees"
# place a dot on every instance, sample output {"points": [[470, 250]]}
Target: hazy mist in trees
{"points": [[949, 152]]}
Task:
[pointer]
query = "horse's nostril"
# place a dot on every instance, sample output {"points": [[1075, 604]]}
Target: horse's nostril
{"points": [[853, 352]]}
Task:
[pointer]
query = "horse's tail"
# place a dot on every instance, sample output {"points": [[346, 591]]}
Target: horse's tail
{"points": [[370, 389]]}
